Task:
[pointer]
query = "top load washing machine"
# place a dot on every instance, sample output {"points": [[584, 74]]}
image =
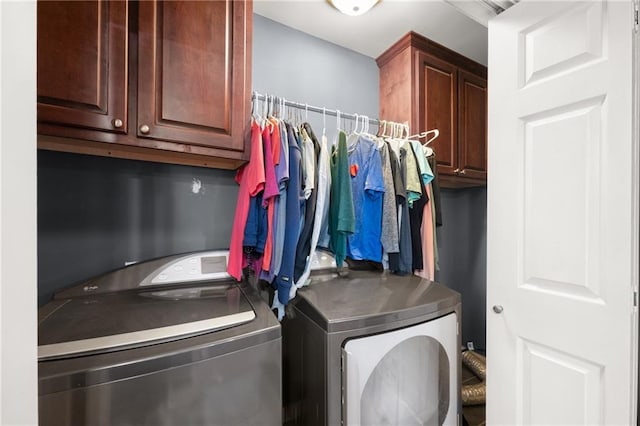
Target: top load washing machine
{"points": [[173, 341], [372, 349]]}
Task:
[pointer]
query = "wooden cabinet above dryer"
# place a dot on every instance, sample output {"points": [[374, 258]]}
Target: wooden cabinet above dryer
{"points": [[166, 81], [433, 87]]}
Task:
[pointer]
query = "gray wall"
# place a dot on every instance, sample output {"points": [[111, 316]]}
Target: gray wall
{"points": [[303, 69], [462, 241], [95, 213]]}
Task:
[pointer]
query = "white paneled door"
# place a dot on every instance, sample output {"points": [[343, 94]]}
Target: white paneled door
{"points": [[563, 215]]}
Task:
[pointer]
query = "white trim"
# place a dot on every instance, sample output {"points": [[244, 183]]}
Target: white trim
{"points": [[18, 188], [636, 213], [142, 337]]}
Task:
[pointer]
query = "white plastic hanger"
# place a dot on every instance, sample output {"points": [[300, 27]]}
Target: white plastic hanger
{"points": [[355, 128], [434, 132], [255, 104], [382, 128], [354, 136], [324, 121]]}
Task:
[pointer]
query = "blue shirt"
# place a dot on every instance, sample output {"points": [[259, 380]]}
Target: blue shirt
{"points": [[294, 208], [367, 187]]}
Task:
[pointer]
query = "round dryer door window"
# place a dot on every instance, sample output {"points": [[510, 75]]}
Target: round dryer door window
{"points": [[403, 377]]}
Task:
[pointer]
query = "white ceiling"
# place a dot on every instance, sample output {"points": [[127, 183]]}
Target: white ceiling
{"points": [[374, 32]]}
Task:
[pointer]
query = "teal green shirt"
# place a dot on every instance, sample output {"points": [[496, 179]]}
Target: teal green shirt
{"points": [[342, 220]]}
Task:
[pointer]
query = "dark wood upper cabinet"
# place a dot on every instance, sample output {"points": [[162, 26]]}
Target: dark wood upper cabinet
{"points": [[438, 106], [82, 64], [191, 75], [189, 64], [472, 95], [433, 87]]}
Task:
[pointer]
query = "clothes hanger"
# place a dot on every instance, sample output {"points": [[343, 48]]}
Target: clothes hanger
{"points": [[264, 110], [255, 104], [354, 137], [424, 134], [388, 124], [270, 106], [377, 140], [380, 132], [395, 137], [428, 151], [338, 130], [324, 122]]}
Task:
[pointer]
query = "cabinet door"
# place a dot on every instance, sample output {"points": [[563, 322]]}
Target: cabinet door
{"points": [[82, 64], [472, 125], [193, 72], [437, 109]]}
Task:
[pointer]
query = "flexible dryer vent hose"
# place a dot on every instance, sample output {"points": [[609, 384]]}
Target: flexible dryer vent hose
{"points": [[475, 394]]}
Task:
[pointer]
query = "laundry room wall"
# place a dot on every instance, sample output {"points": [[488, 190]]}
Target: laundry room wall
{"points": [[302, 68], [462, 241], [96, 213]]}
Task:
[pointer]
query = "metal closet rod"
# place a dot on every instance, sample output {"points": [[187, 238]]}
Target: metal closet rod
{"points": [[320, 110]]}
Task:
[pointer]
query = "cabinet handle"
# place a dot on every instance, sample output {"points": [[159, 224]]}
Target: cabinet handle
{"points": [[498, 309], [144, 129], [456, 171], [463, 172], [117, 123]]}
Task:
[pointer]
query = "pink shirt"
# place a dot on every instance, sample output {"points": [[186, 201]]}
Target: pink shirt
{"points": [[428, 255], [271, 190], [251, 178]]}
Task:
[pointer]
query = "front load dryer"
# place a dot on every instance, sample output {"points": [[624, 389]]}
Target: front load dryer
{"points": [[173, 341], [372, 348]]}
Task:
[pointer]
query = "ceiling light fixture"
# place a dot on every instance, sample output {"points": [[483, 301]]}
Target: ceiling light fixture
{"points": [[353, 7]]}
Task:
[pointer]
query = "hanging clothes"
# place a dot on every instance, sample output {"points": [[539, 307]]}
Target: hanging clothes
{"points": [[282, 174], [251, 178], [255, 230], [304, 243], [294, 205], [389, 233], [367, 187], [370, 201], [427, 225], [401, 263], [437, 209], [268, 198], [413, 180], [322, 204], [436, 189], [341, 212], [321, 219], [428, 260], [416, 212]]}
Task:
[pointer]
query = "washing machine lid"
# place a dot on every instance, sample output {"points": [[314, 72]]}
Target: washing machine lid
{"points": [[106, 322], [369, 298], [146, 303]]}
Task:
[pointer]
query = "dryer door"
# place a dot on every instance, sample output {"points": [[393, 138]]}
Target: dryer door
{"points": [[403, 377]]}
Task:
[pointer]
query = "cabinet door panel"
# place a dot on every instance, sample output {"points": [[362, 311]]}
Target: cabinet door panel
{"points": [[82, 64], [193, 55], [472, 126], [438, 108]]}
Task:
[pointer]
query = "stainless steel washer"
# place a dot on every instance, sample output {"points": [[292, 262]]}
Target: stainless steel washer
{"points": [[165, 342], [372, 348]]}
